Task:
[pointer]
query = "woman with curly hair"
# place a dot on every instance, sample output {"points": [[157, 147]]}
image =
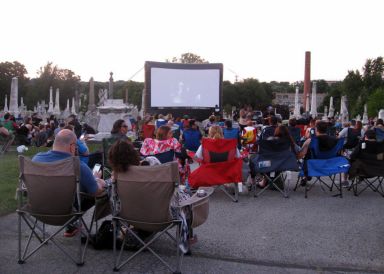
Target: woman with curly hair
{"points": [[122, 155]]}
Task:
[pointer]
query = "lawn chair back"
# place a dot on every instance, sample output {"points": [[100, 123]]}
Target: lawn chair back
{"points": [[51, 187], [319, 154], [218, 150], [368, 162], [145, 194], [275, 155], [379, 134], [166, 157]]}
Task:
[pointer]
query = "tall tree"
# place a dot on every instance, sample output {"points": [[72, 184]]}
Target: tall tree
{"points": [[375, 102], [51, 75], [188, 58], [373, 72], [353, 87], [8, 70]]}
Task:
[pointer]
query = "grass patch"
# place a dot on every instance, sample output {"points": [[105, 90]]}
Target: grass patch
{"points": [[9, 176]]}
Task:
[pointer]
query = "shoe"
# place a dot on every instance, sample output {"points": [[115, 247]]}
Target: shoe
{"points": [[303, 182], [345, 184], [192, 240], [72, 229]]}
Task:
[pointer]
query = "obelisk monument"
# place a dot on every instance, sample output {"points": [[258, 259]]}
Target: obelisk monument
{"points": [[13, 100]]}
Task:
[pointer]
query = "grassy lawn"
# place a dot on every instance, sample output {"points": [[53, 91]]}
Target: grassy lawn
{"points": [[9, 173], [9, 178]]}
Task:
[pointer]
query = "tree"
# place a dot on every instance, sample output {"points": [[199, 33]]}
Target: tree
{"points": [[375, 102], [188, 58], [353, 87], [135, 91], [9, 70], [373, 72], [52, 76]]}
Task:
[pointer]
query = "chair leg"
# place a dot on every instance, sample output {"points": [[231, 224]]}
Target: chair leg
{"points": [[234, 197]]}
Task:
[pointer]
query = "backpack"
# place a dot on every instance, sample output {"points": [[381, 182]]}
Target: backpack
{"points": [[352, 138], [104, 236]]}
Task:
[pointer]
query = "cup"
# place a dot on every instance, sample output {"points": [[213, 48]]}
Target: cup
{"points": [[363, 145], [182, 188], [201, 193]]}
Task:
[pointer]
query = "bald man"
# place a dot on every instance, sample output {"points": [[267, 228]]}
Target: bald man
{"points": [[64, 146]]}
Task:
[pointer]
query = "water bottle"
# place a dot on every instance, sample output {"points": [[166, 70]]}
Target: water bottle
{"points": [[187, 187]]}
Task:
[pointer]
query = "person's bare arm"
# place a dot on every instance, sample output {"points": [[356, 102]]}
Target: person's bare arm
{"points": [[304, 149]]}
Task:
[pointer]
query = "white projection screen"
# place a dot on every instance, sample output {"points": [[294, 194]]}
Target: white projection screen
{"points": [[182, 87]]}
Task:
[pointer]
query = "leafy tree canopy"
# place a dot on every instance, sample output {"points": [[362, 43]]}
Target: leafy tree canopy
{"points": [[188, 58], [8, 70]]}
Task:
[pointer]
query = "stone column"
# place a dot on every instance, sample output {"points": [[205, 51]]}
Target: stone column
{"points": [[110, 95], [50, 107], [73, 109], [6, 103], [13, 100], [307, 79], [296, 111], [56, 109], [91, 102], [331, 112], [314, 101]]}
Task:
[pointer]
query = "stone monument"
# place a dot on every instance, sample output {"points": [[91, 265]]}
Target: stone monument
{"points": [[91, 102], [110, 95], [66, 111], [91, 116], [325, 116], [296, 111], [112, 110], [344, 109], [331, 112], [50, 105], [313, 101], [6, 103], [56, 109], [73, 108], [381, 114], [13, 100], [365, 115]]}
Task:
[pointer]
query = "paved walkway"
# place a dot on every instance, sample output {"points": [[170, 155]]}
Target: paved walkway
{"points": [[268, 234]]}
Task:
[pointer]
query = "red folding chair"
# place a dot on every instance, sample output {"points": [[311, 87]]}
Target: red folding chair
{"points": [[219, 166]]}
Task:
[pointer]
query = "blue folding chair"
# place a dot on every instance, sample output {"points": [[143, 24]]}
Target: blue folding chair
{"points": [[165, 157], [272, 161], [324, 164], [379, 134]]}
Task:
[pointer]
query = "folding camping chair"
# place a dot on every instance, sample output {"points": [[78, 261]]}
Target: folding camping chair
{"points": [[145, 194], [274, 161], [165, 157], [51, 190], [379, 134], [367, 167], [219, 166], [324, 164], [6, 142], [107, 143]]}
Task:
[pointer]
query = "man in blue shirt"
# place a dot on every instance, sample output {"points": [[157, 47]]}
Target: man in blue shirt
{"points": [[64, 146]]}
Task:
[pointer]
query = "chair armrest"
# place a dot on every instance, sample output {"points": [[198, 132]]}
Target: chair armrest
{"points": [[194, 199]]}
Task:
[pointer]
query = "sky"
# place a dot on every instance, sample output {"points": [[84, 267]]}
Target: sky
{"points": [[265, 40]]}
